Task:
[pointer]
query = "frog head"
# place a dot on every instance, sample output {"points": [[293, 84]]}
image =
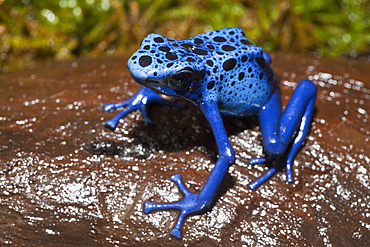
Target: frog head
{"points": [[165, 65]]}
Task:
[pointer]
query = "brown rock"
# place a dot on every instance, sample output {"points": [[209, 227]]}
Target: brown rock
{"points": [[54, 193]]}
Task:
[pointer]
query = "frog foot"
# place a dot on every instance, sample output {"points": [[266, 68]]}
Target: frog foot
{"points": [[140, 101], [285, 131], [278, 163], [189, 205]]}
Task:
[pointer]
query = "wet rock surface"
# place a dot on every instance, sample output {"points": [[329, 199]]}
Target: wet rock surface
{"points": [[55, 193]]}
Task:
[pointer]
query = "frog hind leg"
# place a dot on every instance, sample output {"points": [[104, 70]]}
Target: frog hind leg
{"points": [[279, 129], [140, 101]]}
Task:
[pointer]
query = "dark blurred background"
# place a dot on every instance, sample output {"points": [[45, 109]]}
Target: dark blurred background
{"points": [[33, 31]]}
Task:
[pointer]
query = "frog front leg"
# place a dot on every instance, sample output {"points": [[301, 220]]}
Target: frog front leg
{"points": [[140, 101], [279, 128], [194, 203]]}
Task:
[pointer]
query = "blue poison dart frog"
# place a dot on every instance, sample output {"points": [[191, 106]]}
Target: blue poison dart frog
{"points": [[221, 72]]}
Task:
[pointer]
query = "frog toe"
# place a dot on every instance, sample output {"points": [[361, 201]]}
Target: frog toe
{"points": [[108, 106], [288, 168], [255, 161], [176, 233], [145, 113], [111, 106], [112, 123], [262, 179]]}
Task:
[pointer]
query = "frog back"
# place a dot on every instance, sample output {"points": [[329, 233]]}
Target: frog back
{"points": [[238, 77]]}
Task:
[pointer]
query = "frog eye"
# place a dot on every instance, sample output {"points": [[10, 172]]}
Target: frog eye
{"points": [[181, 79]]}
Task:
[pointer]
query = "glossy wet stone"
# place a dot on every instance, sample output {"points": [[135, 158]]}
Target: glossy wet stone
{"points": [[54, 192]]}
